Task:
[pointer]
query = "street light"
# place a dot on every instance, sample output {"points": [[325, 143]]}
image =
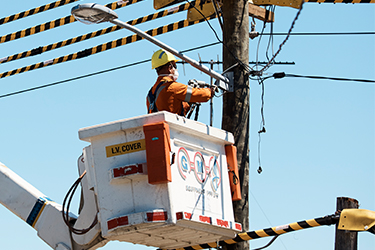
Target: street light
{"points": [[94, 13]]}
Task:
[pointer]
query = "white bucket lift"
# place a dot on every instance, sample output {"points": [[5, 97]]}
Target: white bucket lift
{"points": [[162, 180]]}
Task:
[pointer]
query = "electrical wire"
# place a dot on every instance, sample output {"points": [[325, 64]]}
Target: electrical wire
{"points": [[50, 47], [270, 39], [285, 40], [57, 23], [95, 73], [65, 213], [34, 11], [323, 78], [217, 8], [322, 33], [101, 48], [217, 37]]}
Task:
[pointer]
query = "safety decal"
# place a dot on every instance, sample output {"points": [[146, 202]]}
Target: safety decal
{"points": [[125, 148], [36, 211]]}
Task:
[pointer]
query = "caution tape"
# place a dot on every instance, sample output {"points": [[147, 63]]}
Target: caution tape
{"points": [[50, 47], [35, 11], [274, 231], [102, 47], [57, 23], [340, 1]]}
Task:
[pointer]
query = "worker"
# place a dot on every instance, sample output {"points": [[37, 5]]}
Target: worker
{"points": [[169, 95]]}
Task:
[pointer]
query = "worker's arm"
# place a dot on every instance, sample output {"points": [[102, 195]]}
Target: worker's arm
{"points": [[189, 94]]}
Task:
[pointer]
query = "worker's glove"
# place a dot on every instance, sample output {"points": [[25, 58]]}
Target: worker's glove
{"points": [[198, 84]]}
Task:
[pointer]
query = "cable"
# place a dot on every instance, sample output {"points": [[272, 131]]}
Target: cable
{"points": [[93, 74], [285, 40], [57, 23], [217, 7], [35, 11], [321, 33], [101, 48], [40, 50], [282, 75], [65, 214], [217, 37]]}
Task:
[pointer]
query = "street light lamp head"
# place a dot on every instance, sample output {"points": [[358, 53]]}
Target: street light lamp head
{"points": [[90, 13]]}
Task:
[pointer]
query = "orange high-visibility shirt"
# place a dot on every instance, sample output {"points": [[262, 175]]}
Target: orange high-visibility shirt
{"points": [[174, 95]]}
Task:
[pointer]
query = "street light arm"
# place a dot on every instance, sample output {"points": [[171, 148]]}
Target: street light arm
{"points": [[222, 81]]}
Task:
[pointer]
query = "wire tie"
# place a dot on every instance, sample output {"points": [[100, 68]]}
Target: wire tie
{"points": [[48, 62], [121, 2], [4, 59]]}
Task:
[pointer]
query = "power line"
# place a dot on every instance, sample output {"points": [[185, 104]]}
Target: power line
{"points": [[280, 75], [34, 11], [102, 47], [95, 73], [56, 23], [321, 33], [40, 50]]}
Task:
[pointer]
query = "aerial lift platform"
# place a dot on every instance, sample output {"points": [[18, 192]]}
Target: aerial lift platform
{"points": [[158, 180]]}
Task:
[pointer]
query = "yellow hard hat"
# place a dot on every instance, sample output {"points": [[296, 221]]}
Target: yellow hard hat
{"points": [[161, 57]]}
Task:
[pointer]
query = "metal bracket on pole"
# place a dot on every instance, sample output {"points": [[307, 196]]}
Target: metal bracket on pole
{"points": [[229, 86]]}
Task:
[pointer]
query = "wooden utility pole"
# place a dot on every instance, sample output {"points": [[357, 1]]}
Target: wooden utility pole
{"points": [[236, 104], [346, 240]]}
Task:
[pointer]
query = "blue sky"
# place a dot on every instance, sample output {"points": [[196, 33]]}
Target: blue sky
{"points": [[320, 139]]}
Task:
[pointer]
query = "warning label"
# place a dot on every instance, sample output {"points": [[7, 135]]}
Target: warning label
{"points": [[125, 148]]}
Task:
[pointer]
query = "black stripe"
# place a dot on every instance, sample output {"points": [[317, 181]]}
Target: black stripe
{"points": [[47, 26], [49, 47], [18, 35], [205, 246], [53, 5], [128, 39], [37, 29], [27, 32], [42, 8], [159, 30], [289, 229], [253, 235], [68, 42], [22, 14], [270, 232], [170, 27], [58, 22], [181, 24], [118, 42], [7, 38], [303, 224]]}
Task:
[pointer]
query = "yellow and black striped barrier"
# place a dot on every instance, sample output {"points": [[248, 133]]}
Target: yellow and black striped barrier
{"points": [[35, 11], [274, 231], [102, 47], [57, 23], [70, 41]]}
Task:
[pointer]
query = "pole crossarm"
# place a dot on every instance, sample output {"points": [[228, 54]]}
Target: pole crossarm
{"points": [[102, 47], [35, 11], [42, 49], [57, 23], [274, 231]]}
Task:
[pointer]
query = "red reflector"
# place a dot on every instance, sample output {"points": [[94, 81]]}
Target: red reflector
{"points": [[157, 216]]}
